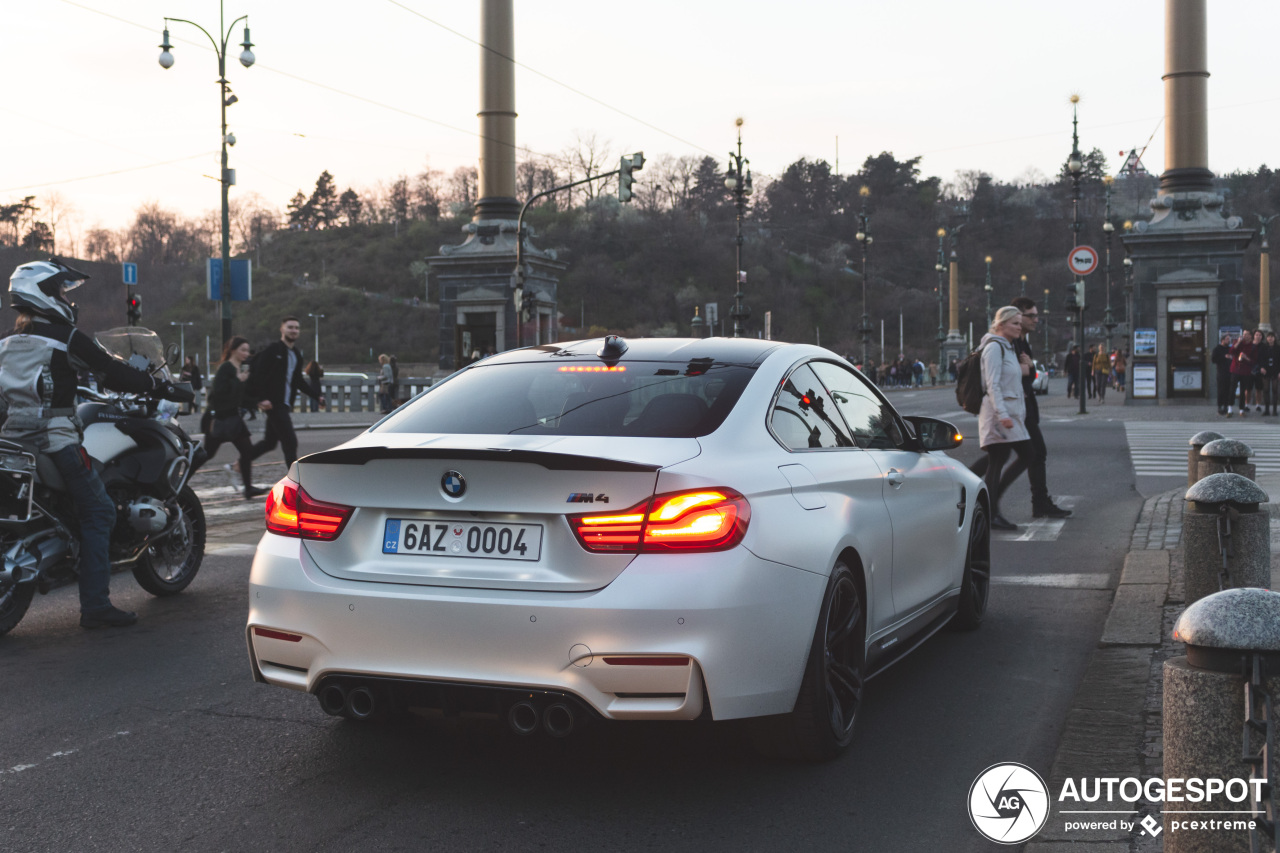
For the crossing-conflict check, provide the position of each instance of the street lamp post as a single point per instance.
(1044, 315)
(316, 352)
(864, 239)
(941, 267)
(1108, 322)
(1264, 275)
(182, 338)
(738, 182)
(1075, 166)
(988, 288)
(228, 175)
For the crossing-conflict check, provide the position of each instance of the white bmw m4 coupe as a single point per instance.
(656, 529)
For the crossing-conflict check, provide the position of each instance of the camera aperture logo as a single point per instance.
(1008, 803)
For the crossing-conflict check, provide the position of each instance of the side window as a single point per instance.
(804, 416)
(870, 420)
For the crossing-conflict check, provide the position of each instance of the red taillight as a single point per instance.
(292, 512)
(695, 520)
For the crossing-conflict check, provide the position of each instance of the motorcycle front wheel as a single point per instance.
(15, 598)
(169, 566)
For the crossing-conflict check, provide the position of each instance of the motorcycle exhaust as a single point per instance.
(360, 704)
(559, 720)
(522, 717)
(333, 699)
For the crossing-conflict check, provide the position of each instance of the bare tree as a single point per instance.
(103, 244)
(463, 187)
(588, 156)
(58, 211)
(535, 175)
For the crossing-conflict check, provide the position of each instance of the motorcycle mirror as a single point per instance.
(171, 353)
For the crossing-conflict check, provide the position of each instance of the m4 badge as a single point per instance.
(587, 498)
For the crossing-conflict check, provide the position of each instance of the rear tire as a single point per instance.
(169, 566)
(821, 725)
(15, 598)
(975, 583)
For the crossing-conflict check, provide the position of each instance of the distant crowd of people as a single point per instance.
(1248, 369)
(1103, 370)
(901, 373)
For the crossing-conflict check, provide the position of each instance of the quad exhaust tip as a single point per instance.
(360, 704)
(559, 720)
(523, 717)
(333, 699)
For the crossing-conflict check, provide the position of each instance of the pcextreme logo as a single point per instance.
(1008, 803)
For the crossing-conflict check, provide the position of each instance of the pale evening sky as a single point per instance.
(982, 84)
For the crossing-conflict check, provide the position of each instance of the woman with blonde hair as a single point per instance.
(1002, 421)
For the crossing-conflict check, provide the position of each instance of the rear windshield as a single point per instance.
(653, 399)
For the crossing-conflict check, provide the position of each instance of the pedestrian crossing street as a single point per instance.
(1159, 449)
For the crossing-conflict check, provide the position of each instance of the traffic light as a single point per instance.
(135, 309)
(634, 163)
(1079, 294)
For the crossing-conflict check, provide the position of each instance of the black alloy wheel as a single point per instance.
(15, 598)
(821, 725)
(975, 584)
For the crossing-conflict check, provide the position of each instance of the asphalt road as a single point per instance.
(155, 738)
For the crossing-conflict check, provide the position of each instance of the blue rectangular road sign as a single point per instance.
(241, 279)
(129, 272)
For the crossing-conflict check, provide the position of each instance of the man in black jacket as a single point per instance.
(1042, 505)
(275, 374)
(1268, 372)
(1221, 356)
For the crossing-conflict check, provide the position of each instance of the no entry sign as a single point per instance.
(1083, 260)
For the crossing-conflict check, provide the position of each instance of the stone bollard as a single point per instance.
(1226, 456)
(1226, 510)
(1198, 441)
(1233, 638)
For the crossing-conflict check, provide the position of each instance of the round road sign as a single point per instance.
(1083, 260)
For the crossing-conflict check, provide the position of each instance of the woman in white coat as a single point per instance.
(1001, 422)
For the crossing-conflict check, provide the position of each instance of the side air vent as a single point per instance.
(961, 506)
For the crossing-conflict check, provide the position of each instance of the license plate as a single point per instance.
(463, 539)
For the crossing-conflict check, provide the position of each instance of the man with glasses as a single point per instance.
(1042, 505)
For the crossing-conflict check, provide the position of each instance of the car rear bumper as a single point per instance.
(744, 623)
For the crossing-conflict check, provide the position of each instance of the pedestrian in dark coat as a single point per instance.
(1221, 357)
(1243, 359)
(276, 375)
(1269, 373)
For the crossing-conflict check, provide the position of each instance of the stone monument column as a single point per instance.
(497, 191)
(474, 278)
(1188, 258)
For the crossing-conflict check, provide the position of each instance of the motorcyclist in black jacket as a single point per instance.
(39, 361)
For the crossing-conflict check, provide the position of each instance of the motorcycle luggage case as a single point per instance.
(17, 483)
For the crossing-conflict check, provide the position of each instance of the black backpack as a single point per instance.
(969, 388)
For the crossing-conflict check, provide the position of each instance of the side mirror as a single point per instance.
(934, 434)
(171, 353)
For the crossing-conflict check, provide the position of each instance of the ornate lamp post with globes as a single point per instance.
(1075, 166)
(738, 182)
(228, 176)
(988, 288)
(941, 267)
(864, 238)
(1108, 321)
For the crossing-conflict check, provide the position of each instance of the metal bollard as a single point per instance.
(1198, 441)
(1226, 539)
(1218, 717)
(1226, 456)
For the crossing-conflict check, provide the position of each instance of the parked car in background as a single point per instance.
(656, 529)
(1041, 383)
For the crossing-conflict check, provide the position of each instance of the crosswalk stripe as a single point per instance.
(1038, 529)
(1160, 449)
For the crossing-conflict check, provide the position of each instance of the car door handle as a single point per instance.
(895, 477)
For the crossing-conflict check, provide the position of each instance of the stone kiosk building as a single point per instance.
(474, 283)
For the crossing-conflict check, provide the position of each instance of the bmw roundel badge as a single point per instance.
(452, 484)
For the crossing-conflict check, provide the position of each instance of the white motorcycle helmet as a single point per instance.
(39, 287)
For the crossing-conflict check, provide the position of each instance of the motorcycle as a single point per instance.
(145, 460)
